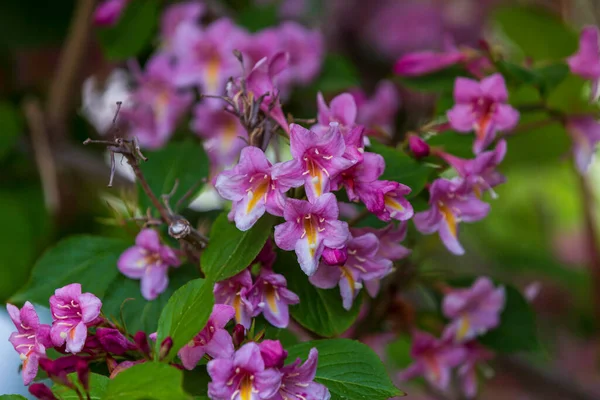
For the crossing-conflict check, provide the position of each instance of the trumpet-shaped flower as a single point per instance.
(235, 292)
(271, 296)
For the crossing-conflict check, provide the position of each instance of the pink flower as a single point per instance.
(30, 340)
(467, 372)
(109, 11)
(316, 160)
(252, 189)
(358, 179)
(177, 14)
(426, 61)
(481, 106)
(272, 353)
(586, 62)
(378, 112)
(242, 377)
(585, 133)
(389, 240)
(72, 312)
(113, 341)
(148, 261)
(451, 202)
(341, 110)
(271, 296)
(387, 200)
(309, 227)
(235, 292)
(297, 381)
(362, 264)
(212, 339)
(475, 310)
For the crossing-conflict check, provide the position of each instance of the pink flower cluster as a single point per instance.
(472, 312)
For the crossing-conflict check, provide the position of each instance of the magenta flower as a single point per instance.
(358, 179)
(271, 297)
(433, 359)
(272, 353)
(342, 110)
(306, 49)
(243, 377)
(177, 14)
(267, 256)
(467, 372)
(157, 104)
(475, 310)
(30, 340)
(585, 133)
(251, 188)
(148, 261)
(451, 202)
(123, 366)
(586, 62)
(112, 341)
(297, 381)
(224, 136)
(309, 227)
(108, 12)
(362, 264)
(418, 147)
(212, 339)
(235, 292)
(205, 56)
(480, 173)
(386, 199)
(425, 62)
(481, 106)
(41, 392)
(72, 312)
(316, 160)
(378, 112)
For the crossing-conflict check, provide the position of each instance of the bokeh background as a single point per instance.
(535, 237)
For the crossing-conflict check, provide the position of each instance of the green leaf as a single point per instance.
(572, 96)
(89, 260)
(517, 330)
(399, 352)
(149, 380)
(12, 397)
(550, 76)
(319, 310)
(337, 74)
(12, 127)
(525, 148)
(399, 167)
(516, 73)
(349, 369)
(454, 143)
(440, 81)
(98, 385)
(231, 250)
(185, 314)
(257, 17)
(140, 314)
(185, 161)
(133, 33)
(539, 34)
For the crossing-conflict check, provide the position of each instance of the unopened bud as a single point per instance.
(41, 392)
(141, 341)
(239, 334)
(165, 348)
(418, 146)
(335, 256)
(83, 374)
(272, 353)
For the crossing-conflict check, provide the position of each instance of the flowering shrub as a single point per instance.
(312, 251)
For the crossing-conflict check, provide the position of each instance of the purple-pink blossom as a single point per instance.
(585, 134)
(235, 292)
(378, 112)
(451, 202)
(482, 107)
(341, 110)
(297, 381)
(109, 12)
(213, 339)
(309, 227)
(30, 340)
(475, 354)
(177, 14)
(72, 313)
(586, 61)
(149, 261)
(271, 296)
(427, 61)
(358, 179)
(387, 200)
(252, 189)
(473, 311)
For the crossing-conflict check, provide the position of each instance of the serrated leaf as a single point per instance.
(98, 385)
(399, 167)
(185, 314)
(230, 250)
(150, 380)
(319, 310)
(88, 260)
(349, 369)
(185, 162)
(133, 32)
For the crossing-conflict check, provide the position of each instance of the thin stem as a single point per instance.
(189, 193)
(155, 202)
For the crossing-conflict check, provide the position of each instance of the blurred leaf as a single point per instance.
(399, 352)
(550, 76)
(516, 73)
(535, 146)
(89, 260)
(440, 81)
(539, 34)
(184, 161)
(98, 384)
(349, 369)
(545, 78)
(572, 96)
(12, 397)
(337, 74)
(12, 125)
(257, 17)
(149, 380)
(460, 145)
(140, 314)
(133, 32)
(319, 310)
(517, 330)
(185, 314)
(230, 250)
(400, 167)
(195, 382)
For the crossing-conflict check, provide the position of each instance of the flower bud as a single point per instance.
(418, 146)
(41, 392)
(141, 341)
(239, 334)
(83, 373)
(113, 341)
(335, 256)
(272, 353)
(165, 347)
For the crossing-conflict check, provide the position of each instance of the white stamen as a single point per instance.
(63, 335)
